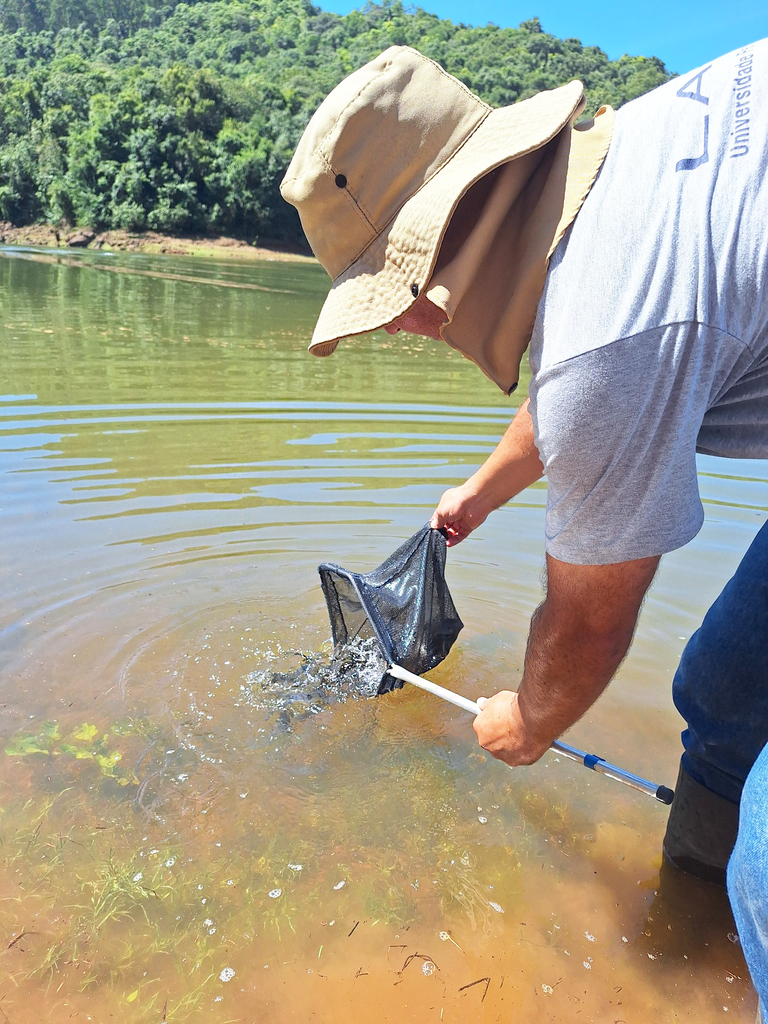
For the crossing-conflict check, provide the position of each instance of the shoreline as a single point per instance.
(149, 242)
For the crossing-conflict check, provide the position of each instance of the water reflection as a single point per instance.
(174, 467)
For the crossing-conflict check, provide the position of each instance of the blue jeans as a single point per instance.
(721, 685)
(748, 877)
(721, 690)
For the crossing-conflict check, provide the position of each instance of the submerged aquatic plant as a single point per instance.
(86, 743)
(44, 741)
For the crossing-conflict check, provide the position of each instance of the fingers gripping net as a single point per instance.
(405, 605)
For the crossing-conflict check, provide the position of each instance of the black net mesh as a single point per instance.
(404, 606)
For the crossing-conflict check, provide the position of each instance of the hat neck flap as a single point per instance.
(493, 263)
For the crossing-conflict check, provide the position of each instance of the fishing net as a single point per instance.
(404, 605)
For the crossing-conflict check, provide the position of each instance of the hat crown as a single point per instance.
(372, 143)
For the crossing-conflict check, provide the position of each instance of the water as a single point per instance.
(351, 672)
(198, 822)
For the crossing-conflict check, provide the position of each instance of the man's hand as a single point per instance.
(459, 512)
(502, 732)
(578, 638)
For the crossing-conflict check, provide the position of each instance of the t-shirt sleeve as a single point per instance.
(616, 428)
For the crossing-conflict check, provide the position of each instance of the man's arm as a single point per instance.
(578, 638)
(509, 469)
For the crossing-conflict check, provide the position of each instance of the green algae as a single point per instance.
(85, 743)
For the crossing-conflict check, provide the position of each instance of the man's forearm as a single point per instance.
(578, 638)
(512, 466)
(567, 667)
(509, 469)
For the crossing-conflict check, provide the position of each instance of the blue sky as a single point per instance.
(683, 35)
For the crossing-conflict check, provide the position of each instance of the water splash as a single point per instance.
(352, 672)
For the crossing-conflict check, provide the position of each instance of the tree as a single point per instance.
(183, 116)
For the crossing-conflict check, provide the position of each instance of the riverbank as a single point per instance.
(121, 240)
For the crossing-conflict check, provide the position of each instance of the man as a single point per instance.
(633, 257)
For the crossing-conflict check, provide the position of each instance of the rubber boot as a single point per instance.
(701, 830)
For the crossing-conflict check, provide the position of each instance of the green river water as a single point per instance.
(177, 842)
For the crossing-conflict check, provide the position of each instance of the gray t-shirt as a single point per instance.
(651, 340)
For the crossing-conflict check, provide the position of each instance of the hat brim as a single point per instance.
(379, 286)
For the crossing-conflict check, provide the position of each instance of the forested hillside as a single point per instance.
(183, 116)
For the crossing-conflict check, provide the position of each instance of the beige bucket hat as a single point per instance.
(383, 165)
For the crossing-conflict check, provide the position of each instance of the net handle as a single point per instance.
(597, 764)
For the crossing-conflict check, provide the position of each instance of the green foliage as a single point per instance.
(41, 742)
(182, 116)
(83, 744)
